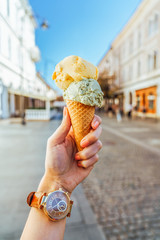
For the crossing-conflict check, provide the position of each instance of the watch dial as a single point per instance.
(57, 205)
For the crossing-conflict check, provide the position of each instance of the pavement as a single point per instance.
(124, 187)
(22, 154)
(82, 224)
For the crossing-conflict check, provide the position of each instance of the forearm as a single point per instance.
(38, 226)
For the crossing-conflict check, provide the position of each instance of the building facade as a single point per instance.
(19, 84)
(135, 59)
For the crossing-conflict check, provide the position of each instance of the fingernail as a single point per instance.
(84, 142)
(95, 124)
(79, 164)
(64, 112)
(77, 157)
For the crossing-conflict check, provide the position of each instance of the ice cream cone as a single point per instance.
(81, 116)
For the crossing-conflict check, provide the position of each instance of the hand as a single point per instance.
(63, 165)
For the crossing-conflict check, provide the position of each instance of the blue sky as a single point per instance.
(78, 27)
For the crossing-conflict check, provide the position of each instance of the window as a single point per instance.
(126, 73)
(150, 28)
(138, 102)
(155, 58)
(138, 68)
(130, 72)
(152, 61)
(9, 47)
(131, 45)
(8, 8)
(139, 38)
(156, 22)
(153, 25)
(150, 64)
(20, 57)
(123, 52)
(151, 98)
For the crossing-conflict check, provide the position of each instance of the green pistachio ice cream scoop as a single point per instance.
(86, 91)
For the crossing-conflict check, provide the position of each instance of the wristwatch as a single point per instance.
(56, 205)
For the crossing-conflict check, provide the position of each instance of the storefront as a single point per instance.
(4, 111)
(146, 100)
(19, 103)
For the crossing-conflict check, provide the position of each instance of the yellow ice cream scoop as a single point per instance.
(73, 69)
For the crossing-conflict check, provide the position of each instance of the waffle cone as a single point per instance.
(81, 116)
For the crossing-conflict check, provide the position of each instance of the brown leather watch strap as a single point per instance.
(34, 199)
(71, 204)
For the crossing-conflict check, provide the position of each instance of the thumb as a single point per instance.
(62, 131)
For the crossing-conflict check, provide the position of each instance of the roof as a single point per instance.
(43, 80)
(101, 60)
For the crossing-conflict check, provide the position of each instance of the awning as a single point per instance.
(30, 95)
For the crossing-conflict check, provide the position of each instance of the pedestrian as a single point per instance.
(65, 168)
(110, 111)
(118, 115)
(121, 111)
(23, 119)
(144, 110)
(129, 114)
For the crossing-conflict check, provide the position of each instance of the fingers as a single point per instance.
(88, 163)
(88, 156)
(96, 122)
(62, 131)
(91, 137)
(89, 151)
(94, 133)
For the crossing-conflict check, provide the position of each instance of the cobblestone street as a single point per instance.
(124, 187)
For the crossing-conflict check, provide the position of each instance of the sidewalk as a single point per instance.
(82, 224)
(22, 154)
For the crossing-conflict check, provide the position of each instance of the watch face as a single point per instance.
(57, 205)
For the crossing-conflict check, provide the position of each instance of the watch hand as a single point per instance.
(63, 207)
(58, 206)
(55, 205)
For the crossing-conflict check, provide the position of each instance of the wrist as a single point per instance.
(52, 198)
(49, 184)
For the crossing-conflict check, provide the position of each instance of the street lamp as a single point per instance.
(41, 21)
(44, 25)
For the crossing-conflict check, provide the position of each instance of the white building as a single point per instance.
(135, 59)
(19, 84)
